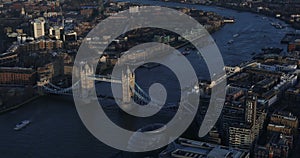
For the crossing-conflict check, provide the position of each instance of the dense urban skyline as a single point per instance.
(41, 40)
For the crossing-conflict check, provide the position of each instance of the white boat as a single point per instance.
(230, 42)
(186, 53)
(277, 25)
(229, 21)
(21, 125)
(236, 35)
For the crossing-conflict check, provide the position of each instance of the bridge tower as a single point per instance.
(127, 81)
(128, 85)
(87, 84)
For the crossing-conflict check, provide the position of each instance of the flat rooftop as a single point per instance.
(185, 148)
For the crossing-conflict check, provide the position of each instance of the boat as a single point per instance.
(230, 41)
(236, 35)
(229, 20)
(191, 47)
(21, 125)
(277, 25)
(186, 53)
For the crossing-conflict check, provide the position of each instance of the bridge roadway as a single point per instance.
(105, 79)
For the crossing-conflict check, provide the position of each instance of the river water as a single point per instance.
(56, 129)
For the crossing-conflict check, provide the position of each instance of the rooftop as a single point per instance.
(189, 149)
(286, 116)
(17, 70)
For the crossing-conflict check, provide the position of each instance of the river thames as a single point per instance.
(56, 129)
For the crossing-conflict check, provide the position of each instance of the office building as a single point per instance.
(241, 120)
(38, 28)
(56, 32)
(70, 36)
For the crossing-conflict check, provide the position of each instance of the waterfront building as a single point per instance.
(49, 70)
(277, 66)
(17, 76)
(8, 58)
(46, 72)
(262, 72)
(184, 148)
(40, 45)
(68, 69)
(294, 45)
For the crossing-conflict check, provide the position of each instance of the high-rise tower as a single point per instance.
(38, 27)
(250, 108)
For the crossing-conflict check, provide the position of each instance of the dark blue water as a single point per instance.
(255, 31)
(57, 131)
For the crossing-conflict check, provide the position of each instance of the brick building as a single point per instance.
(17, 75)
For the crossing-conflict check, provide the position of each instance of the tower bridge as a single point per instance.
(131, 91)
